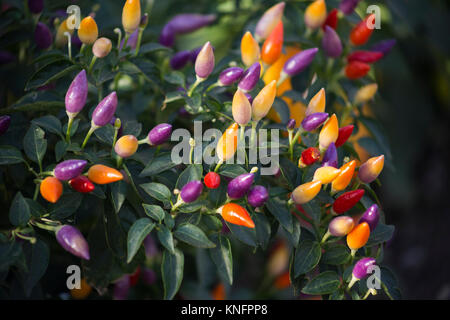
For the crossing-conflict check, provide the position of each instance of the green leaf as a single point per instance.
(40, 256)
(118, 194)
(132, 128)
(279, 210)
(191, 173)
(244, 234)
(173, 96)
(10, 253)
(381, 234)
(34, 144)
(105, 134)
(307, 256)
(231, 170)
(155, 212)
(66, 205)
(294, 236)
(51, 123)
(172, 268)
(176, 78)
(50, 73)
(390, 284)
(158, 164)
(19, 213)
(10, 155)
(192, 235)
(336, 255)
(166, 238)
(157, 190)
(325, 283)
(36, 209)
(137, 233)
(60, 150)
(152, 47)
(222, 257)
(262, 228)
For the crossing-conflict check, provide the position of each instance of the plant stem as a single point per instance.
(69, 127)
(125, 41)
(132, 181)
(138, 45)
(91, 130)
(198, 80)
(292, 142)
(91, 66)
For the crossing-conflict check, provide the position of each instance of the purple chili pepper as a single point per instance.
(148, 276)
(249, 97)
(183, 112)
(299, 62)
(159, 134)
(167, 36)
(180, 59)
(132, 40)
(239, 186)
(71, 239)
(313, 121)
(69, 169)
(36, 6)
(6, 57)
(250, 77)
(5, 121)
(77, 94)
(360, 270)
(291, 124)
(121, 288)
(191, 191)
(230, 75)
(204, 64)
(384, 46)
(189, 22)
(257, 196)
(330, 158)
(331, 43)
(76, 42)
(348, 6)
(43, 36)
(371, 216)
(150, 247)
(105, 110)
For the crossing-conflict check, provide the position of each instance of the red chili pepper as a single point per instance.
(135, 277)
(344, 134)
(82, 184)
(356, 69)
(347, 200)
(309, 156)
(332, 20)
(361, 33)
(212, 180)
(365, 56)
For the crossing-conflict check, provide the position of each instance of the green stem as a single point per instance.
(119, 161)
(218, 166)
(91, 130)
(138, 45)
(91, 66)
(196, 83)
(132, 182)
(69, 127)
(36, 192)
(292, 142)
(253, 134)
(43, 226)
(214, 85)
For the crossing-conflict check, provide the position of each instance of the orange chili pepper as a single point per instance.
(358, 237)
(88, 31)
(227, 145)
(271, 49)
(249, 49)
(83, 292)
(345, 176)
(101, 174)
(131, 15)
(51, 189)
(235, 214)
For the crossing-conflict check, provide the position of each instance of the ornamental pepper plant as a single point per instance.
(91, 130)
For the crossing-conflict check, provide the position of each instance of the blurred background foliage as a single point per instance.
(413, 105)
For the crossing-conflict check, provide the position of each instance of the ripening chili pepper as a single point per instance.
(361, 270)
(235, 214)
(347, 200)
(180, 59)
(356, 69)
(76, 94)
(60, 38)
(191, 191)
(69, 169)
(131, 15)
(315, 14)
(241, 108)
(339, 227)
(269, 21)
(190, 22)
(263, 101)
(332, 20)
(314, 120)
(132, 40)
(291, 124)
(102, 47)
(101, 174)
(134, 278)
(384, 46)
(51, 189)
(358, 237)
(36, 6)
(326, 174)
(71, 239)
(331, 43)
(88, 31)
(309, 156)
(371, 169)
(361, 33)
(83, 292)
(159, 134)
(250, 77)
(250, 52)
(204, 64)
(212, 180)
(306, 192)
(126, 146)
(278, 260)
(283, 281)
(219, 292)
(345, 177)
(317, 103)
(365, 56)
(273, 45)
(227, 144)
(366, 93)
(150, 248)
(330, 157)
(82, 184)
(348, 6)
(43, 36)
(344, 134)
(167, 36)
(329, 133)
(257, 196)
(105, 110)
(230, 75)
(371, 216)
(299, 62)
(5, 121)
(239, 186)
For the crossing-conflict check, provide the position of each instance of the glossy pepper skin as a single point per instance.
(241, 108)
(326, 174)
(250, 77)
(69, 169)
(316, 14)
(42, 36)
(358, 237)
(101, 174)
(300, 61)
(191, 191)
(330, 157)
(126, 146)
(263, 101)
(230, 75)
(314, 120)
(159, 134)
(329, 133)
(332, 19)
(360, 34)
(371, 169)
(273, 45)
(105, 110)
(268, 21)
(102, 47)
(331, 43)
(212, 180)
(343, 135)
(371, 216)
(306, 192)
(291, 124)
(345, 177)
(366, 93)
(71, 239)
(257, 196)
(365, 56)
(309, 156)
(227, 144)
(204, 64)
(360, 270)
(250, 52)
(76, 95)
(131, 15)
(51, 189)
(341, 226)
(235, 214)
(239, 186)
(317, 103)
(5, 121)
(82, 184)
(356, 69)
(347, 200)
(88, 31)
